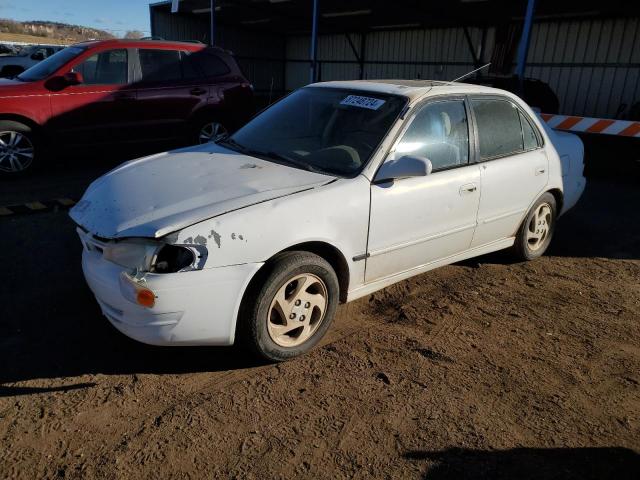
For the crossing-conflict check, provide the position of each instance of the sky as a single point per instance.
(115, 16)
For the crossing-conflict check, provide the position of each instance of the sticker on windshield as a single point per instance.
(363, 102)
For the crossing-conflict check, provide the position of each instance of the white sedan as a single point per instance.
(336, 191)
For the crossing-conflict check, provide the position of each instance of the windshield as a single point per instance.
(332, 131)
(46, 67)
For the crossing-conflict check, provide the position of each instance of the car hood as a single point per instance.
(163, 193)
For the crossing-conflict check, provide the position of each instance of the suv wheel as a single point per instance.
(210, 132)
(18, 147)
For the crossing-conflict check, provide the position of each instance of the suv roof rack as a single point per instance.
(153, 37)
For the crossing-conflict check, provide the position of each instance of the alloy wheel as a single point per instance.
(211, 132)
(297, 310)
(539, 227)
(16, 152)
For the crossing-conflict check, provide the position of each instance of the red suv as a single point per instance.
(120, 91)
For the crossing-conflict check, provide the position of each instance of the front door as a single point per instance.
(514, 167)
(416, 221)
(99, 109)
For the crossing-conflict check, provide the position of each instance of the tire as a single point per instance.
(19, 150)
(535, 233)
(207, 130)
(279, 293)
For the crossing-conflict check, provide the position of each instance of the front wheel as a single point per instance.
(291, 306)
(17, 148)
(535, 233)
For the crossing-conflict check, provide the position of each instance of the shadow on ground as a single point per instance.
(530, 464)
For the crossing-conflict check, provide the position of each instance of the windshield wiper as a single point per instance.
(292, 162)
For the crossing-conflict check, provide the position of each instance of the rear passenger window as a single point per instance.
(440, 133)
(528, 134)
(160, 65)
(105, 68)
(209, 63)
(499, 128)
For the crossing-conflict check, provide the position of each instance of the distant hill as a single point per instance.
(49, 31)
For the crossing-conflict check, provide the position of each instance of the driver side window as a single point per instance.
(104, 68)
(439, 132)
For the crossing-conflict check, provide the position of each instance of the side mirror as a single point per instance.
(404, 167)
(73, 78)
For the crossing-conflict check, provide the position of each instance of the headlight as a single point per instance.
(133, 253)
(154, 256)
(173, 258)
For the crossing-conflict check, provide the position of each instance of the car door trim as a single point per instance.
(417, 241)
(495, 218)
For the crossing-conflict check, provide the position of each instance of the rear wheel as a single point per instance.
(535, 233)
(210, 131)
(18, 148)
(291, 307)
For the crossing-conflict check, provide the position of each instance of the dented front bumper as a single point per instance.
(198, 307)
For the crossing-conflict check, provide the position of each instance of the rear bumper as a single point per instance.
(572, 191)
(192, 308)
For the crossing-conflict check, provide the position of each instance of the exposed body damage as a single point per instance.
(172, 241)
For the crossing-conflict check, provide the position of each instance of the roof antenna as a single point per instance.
(468, 74)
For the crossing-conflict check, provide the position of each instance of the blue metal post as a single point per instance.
(523, 49)
(314, 42)
(213, 23)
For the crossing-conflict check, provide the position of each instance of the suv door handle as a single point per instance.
(468, 188)
(198, 91)
(540, 170)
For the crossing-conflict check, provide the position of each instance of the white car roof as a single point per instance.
(413, 89)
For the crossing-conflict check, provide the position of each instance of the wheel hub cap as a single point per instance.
(16, 152)
(539, 227)
(297, 310)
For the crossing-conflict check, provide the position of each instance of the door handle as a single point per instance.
(468, 188)
(198, 91)
(540, 170)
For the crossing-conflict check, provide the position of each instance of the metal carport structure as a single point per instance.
(588, 51)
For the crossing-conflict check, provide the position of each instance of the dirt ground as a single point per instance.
(485, 369)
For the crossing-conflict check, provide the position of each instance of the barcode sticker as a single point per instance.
(363, 102)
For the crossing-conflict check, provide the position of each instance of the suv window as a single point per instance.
(104, 68)
(500, 130)
(209, 63)
(440, 133)
(160, 65)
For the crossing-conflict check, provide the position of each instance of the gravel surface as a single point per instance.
(484, 369)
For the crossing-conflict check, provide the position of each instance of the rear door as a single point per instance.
(99, 109)
(514, 167)
(169, 90)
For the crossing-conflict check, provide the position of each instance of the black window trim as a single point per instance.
(536, 130)
(414, 110)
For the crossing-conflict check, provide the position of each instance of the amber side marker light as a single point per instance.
(145, 297)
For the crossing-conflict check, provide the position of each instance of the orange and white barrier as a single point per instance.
(606, 126)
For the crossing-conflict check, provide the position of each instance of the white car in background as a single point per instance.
(338, 190)
(12, 65)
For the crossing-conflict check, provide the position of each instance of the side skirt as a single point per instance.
(379, 284)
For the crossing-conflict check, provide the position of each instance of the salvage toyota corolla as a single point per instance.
(336, 191)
